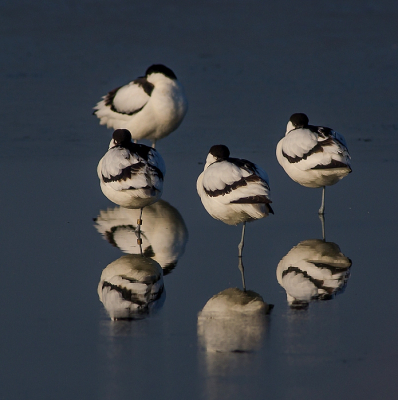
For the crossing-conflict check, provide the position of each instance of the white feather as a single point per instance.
(218, 176)
(155, 116)
(144, 186)
(301, 153)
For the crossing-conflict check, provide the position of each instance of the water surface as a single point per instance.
(246, 68)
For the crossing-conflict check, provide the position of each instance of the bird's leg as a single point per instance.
(240, 247)
(242, 240)
(322, 209)
(138, 231)
(322, 218)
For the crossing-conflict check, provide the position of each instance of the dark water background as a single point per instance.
(246, 67)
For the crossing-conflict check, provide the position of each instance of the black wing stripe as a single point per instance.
(110, 96)
(253, 200)
(237, 184)
(318, 148)
(331, 165)
(296, 159)
(114, 109)
(131, 170)
(142, 82)
(146, 86)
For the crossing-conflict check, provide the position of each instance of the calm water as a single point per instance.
(246, 68)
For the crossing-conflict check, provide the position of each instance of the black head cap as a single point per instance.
(121, 137)
(160, 69)
(299, 120)
(219, 151)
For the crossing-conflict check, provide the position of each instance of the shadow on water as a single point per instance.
(314, 269)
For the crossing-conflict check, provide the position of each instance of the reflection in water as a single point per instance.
(231, 328)
(233, 321)
(163, 232)
(313, 270)
(131, 287)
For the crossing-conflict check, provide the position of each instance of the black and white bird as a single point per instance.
(233, 190)
(150, 107)
(313, 156)
(131, 175)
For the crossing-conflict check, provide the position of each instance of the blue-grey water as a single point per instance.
(246, 67)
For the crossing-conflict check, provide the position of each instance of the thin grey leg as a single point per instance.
(154, 143)
(322, 209)
(242, 240)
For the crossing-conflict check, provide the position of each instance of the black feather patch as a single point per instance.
(142, 82)
(253, 200)
(146, 86)
(229, 188)
(333, 164)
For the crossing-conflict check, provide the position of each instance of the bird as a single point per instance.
(233, 191)
(150, 107)
(313, 156)
(131, 175)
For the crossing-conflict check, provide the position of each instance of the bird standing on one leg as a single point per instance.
(150, 107)
(234, 190)
(313, 156)
(131, 175)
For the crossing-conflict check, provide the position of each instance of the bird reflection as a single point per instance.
(163, 232)
(233, 321)
(313, 270)
(131, 287)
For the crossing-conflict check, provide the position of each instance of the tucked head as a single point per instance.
(121, 137)
(160, 69)
(217, 152)
(297, 121)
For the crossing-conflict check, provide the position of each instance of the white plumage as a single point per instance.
(313, 156)
(233, 190)
(150, 107)
(131, 175)
(314, 269)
